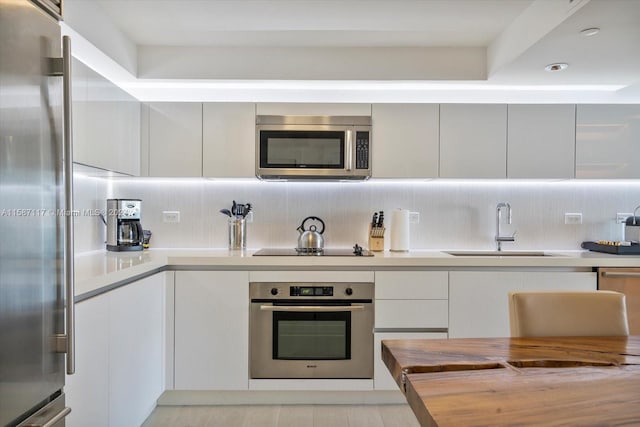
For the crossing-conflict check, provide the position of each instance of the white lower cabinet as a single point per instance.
(136, 361)
(120, 340)
(382, 378)
(478, 300)
(409, 305)
(87, 391)
(212, 330)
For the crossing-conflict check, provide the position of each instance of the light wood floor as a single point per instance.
(283, 416)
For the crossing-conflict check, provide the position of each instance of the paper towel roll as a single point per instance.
(400, 230)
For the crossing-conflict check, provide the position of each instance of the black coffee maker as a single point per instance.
(124, 230)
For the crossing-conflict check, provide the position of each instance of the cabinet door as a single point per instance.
(175, 139)
(128, 138)
(87, 390)
(212, 330)
(382, 379)
(136, 350)
(312, 109)
(79, 97)
(408, 300)
(541, 141)
(473, 141)
(228, 144)
(120, 356)
(478, 300)
(412, 285)
(106, 126)
(607, 141)
(405, 140)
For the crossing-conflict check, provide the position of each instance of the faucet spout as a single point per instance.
(499, 238)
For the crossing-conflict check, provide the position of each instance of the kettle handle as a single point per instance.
(315, 218)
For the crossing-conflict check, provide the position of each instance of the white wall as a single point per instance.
(89, 19)
(89, 196)
(454, 214)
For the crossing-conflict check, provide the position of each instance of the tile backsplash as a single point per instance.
(453, 214)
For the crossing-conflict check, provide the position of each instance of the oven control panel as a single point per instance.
(311, 291)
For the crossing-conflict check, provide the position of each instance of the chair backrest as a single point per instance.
(560, 313)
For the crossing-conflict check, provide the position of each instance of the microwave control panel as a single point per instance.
(362, 150)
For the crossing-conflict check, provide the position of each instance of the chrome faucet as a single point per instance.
(499, 238)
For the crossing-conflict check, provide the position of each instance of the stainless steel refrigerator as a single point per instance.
(36, 231)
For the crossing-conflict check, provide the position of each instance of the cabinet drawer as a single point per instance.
(411, 314)
(412, 285)
(311, 276)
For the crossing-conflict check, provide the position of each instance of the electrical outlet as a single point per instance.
(573, 218)
(414, 217)
(170, 216)
(621, 218)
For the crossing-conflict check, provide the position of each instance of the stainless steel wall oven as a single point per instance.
(311, 330)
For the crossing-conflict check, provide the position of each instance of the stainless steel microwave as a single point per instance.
(313, 147)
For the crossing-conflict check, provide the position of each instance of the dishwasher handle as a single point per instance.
(621, 274)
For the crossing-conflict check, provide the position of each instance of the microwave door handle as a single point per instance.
(309, 308)
(349, 148)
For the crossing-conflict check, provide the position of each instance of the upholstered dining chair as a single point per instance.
(567, 313)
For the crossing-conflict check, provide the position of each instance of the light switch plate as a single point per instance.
(414, 217)
(573, 218)
(170, 216)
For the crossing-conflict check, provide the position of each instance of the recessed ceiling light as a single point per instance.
(557, 66)
(588, 32)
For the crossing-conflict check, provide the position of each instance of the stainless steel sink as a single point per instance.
(499, 253)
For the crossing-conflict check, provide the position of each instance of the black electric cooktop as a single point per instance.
(325, 252)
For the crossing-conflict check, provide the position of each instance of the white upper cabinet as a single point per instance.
(228, 144)
(106, 128)
(175, 139)
(312, 109)
(541, 141)
(608, 141)
(473, 141)
(405, 140)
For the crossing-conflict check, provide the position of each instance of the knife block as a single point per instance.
(376, 239)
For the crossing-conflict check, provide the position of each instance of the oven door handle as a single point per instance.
(308, 308)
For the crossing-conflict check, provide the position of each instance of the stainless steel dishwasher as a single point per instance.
(626, 281)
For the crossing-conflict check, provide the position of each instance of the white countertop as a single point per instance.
(100, 269)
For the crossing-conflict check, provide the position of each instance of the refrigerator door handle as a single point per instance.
(53, 421)
(68, 190)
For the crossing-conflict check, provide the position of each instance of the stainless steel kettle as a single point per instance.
(311, 240)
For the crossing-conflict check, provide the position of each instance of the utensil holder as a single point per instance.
(376, 238)
(237, 233)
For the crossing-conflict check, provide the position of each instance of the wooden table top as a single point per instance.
(519, 381)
